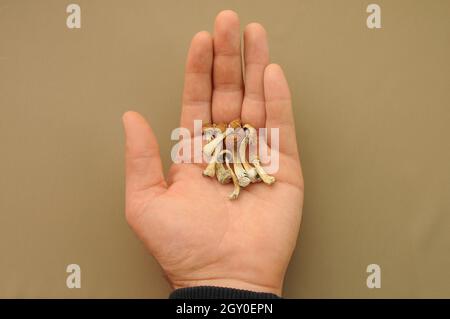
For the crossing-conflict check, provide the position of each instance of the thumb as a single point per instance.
(143, 162)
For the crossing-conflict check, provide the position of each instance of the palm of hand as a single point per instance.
(196, 233)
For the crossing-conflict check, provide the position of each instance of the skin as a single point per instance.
(198, 236)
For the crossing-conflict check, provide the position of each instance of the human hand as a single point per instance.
(198, 236)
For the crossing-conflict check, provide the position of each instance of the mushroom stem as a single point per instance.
(241, 174)
(209, 148)
(223, 175)
(252, 138)
(236, 188)
(268, 179)
(208, 132)
(251, 171)
(210, 170)
(220, 134)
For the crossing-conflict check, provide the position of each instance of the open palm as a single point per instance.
(199, 236)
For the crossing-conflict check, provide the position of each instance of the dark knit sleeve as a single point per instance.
(210, 292)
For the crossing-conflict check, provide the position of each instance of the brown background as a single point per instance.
(372, 110)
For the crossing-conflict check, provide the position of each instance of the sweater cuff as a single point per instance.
(211, 292)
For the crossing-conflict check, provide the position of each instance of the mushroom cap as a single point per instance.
(235, 123)
(221, 126)
(207, 126)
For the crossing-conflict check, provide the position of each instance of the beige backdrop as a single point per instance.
(372, 109)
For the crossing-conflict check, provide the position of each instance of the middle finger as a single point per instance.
(227, 70)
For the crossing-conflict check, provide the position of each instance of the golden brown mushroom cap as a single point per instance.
(221, 126)
(235, 123)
